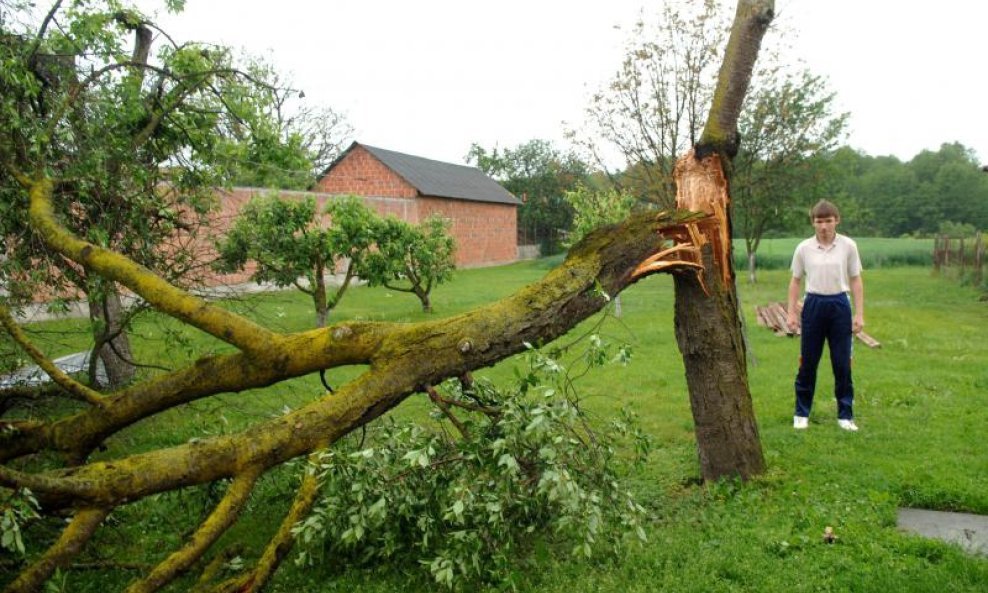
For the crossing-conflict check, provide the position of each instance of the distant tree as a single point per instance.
(290, 245)
(789, 120)
(654, 108)
(889, 197)
(538, 174)
(950, 186)
(410, 258)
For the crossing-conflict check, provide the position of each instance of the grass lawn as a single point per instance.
(921, 404)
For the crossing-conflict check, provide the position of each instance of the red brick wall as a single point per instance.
(485, 232)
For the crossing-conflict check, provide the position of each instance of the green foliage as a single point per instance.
(410, 258)
(595, 208)
(538, 174)
(16, 509)
(891, 198)
(958, 230)
(289, 145)
(525, 464)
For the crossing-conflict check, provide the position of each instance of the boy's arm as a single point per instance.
(857, 294)
(791, 318)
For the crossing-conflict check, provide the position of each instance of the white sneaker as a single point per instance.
(801, 422)
(847, 425)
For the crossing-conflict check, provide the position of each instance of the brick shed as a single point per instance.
(483, 214)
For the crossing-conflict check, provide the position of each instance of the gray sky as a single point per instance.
(429, 77)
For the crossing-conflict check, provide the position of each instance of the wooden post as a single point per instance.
(960, 255)
(979, 259)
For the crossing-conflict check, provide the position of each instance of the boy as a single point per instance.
(832, 267)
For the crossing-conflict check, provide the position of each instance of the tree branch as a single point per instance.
(70, 385)
(222, 518)
(69, 544)
(405, 357)
(279, 545)
(224, 325)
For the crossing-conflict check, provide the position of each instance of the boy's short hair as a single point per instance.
(824, 209)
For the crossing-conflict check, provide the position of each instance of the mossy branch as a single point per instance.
(70, 385)
(403, 357)
(278, 547)
(160, 294)
(69, 544)
(222, 518)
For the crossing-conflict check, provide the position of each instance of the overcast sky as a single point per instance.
(429, 77)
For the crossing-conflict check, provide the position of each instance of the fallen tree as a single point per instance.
(401, 359)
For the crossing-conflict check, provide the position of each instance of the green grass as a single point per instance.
(921, 404)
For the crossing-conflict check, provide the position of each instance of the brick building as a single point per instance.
(483, 214)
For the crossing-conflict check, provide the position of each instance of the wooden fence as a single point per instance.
(966, 255)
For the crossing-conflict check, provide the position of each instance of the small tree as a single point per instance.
(789, 121)
(288, 242)
(411, 258)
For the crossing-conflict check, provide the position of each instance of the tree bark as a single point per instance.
(112, 343)
(708, 331)
(319, 297)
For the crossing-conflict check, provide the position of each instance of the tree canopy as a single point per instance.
(291, 243)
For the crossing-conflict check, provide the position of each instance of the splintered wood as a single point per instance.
(700, 187)
(774, 317)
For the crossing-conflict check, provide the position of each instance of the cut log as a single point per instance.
(868, 340)
(774, 317)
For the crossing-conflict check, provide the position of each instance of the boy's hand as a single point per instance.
(857, 324)
(792, 321)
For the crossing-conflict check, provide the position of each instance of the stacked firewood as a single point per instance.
(774, 317)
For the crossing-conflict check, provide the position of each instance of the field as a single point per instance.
(921, 404)
(774, 254)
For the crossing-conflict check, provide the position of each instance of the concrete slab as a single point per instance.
(964, 529)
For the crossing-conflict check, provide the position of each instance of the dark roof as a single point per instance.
(439, 179)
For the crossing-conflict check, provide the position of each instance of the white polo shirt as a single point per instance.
(828, 269)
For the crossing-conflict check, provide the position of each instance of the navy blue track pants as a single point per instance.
(826, 318)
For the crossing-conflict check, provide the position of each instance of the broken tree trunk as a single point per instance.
(708, 322)
(708, 331)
